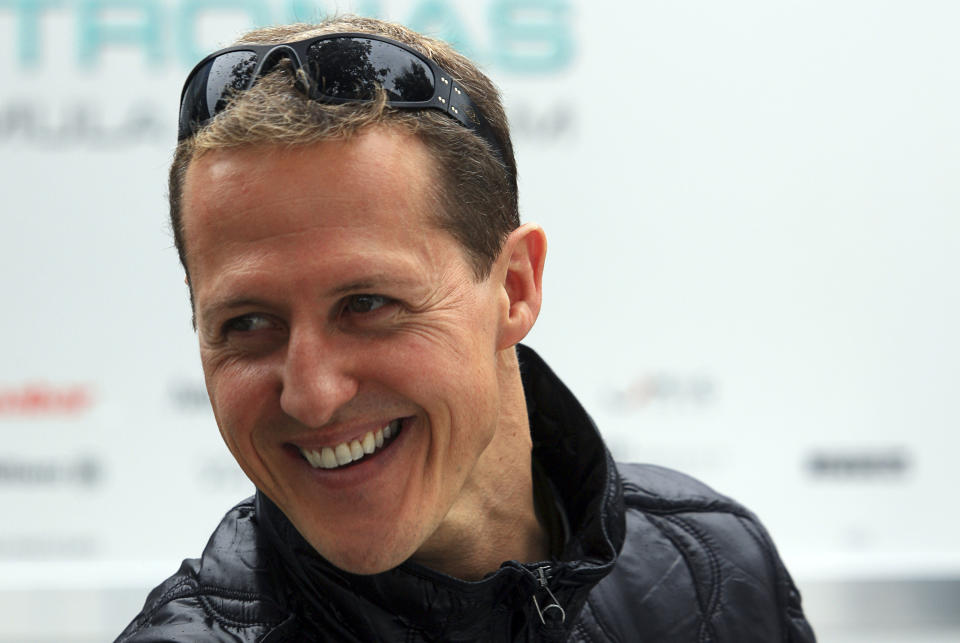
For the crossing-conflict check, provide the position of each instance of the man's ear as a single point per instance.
(520, 266)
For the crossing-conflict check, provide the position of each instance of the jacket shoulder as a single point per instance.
(229, 593)
(695, 565)
(656, 487)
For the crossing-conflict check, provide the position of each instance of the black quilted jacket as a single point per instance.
(651, 556)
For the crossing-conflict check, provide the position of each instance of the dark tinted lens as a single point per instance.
(211, 87)
(229, 73)
(353, 68)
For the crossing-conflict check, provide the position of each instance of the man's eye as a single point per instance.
(247, 324)
(360, 304)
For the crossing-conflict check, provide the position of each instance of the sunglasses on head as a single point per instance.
(339, 68)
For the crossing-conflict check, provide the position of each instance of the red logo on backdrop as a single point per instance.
(44, 399)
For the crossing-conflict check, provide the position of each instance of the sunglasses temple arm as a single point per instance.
(461, 107)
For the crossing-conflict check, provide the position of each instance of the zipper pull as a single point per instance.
(554, 604)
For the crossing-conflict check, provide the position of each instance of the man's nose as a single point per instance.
(317, 378)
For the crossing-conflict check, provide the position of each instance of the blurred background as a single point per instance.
(753, 216)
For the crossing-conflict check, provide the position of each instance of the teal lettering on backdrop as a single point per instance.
(313, 11)
(191, 10)
(527, 36)
(305, 11)
(96, 32)
(531, 35)
(29, 40)
(439, 19)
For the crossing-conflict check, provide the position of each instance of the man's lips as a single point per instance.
(350, 451)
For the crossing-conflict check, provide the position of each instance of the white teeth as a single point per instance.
(347, 452)
(328, 459)
(343, 454)
(356, 451)
(313, 457)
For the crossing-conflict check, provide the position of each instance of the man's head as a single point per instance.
(356, 336)
(475, 188)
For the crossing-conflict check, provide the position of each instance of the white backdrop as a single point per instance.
(752, 214)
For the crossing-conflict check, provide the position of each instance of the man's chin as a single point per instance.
(370, 549)
(364, 561)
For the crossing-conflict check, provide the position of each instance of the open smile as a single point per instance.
(345, 453)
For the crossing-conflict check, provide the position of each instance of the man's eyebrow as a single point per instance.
(365, 284)
(228, 303)
(372, 283)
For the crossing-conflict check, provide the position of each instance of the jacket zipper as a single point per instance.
(553, 604)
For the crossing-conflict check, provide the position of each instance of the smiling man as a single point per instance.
(344, 203)
(358, 370)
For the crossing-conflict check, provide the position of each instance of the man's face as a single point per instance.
(331, 313)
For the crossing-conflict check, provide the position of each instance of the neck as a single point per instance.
(493, 519)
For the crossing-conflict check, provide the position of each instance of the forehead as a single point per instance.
(260, 188)
(332, 213)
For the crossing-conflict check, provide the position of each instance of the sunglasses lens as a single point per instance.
(212, 86)
(353, 68)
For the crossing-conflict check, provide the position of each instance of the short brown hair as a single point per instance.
(477, 195)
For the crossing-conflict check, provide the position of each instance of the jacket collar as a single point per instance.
(413, 598)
